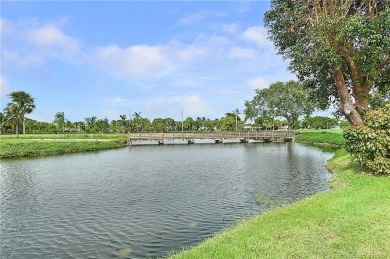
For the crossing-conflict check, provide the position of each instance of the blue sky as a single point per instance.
(103, 59)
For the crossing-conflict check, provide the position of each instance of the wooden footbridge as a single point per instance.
(214, 136)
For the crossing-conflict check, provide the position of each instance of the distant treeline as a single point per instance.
(93, 125)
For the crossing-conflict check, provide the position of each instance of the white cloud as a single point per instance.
(50, 35)
(200, 16)
(242, 53)
(6, 27)
(133, 61)
(258, 35)
(230, 28)
(22, 60)
(258, 83)
(28, 42)
(148, 62)
(185, 53)
(192, 18)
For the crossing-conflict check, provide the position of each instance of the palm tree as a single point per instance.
(236, 112)
(59, 120)
(91, 121)
(137, 115)
(12, 111)
(137, 119)
(123, 121)
(23, 103)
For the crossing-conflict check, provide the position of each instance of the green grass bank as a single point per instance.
(324, 137)
(352, 220)
(44, 145)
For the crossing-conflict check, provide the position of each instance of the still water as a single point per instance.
(145, 201)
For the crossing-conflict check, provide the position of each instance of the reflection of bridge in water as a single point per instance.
(216, 136)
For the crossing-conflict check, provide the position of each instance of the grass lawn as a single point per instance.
(350, 221)
(331, 137)
(339, 130)
(12, 146)
(4, 138)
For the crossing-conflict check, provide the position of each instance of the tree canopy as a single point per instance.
(289, 100)
(341, 49)
(21, 103)
(59, 120)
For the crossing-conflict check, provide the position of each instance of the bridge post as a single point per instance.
(243, 140)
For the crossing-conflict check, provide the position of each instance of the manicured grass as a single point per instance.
(331, 137)
(62, 136)
(351, 220)
(338, 130)
(42, 145)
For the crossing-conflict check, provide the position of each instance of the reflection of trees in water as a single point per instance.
(303, 171)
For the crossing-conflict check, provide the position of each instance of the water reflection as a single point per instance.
(145, 201)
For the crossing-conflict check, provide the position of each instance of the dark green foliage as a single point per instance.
(344, 124)
(320, 122)
(370, 144)
(339, 49)
(288, 100)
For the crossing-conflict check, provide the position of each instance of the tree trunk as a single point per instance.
(17, 127)
(346, 106)
(24, 125)
(361, 97)
(361, 86)
(5, 122)
(289, 122)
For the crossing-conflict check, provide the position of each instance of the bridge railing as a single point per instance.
(211, 135)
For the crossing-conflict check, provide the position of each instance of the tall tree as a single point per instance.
(227, 122)
(189, 124)
(137, 119)
(12, 113)
(339, 48)
(236, 113)
(137, 115)
(91, 124)
(21, 103)
(123, 122)
(288, 100)
(59, 120)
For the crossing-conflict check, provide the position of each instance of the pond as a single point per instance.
(145, 201)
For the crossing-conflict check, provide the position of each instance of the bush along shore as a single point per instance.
(351, 220)
(12, 148)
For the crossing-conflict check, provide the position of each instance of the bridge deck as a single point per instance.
(243, 136)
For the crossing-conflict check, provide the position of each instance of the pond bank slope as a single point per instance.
(351, 220)
(44, 145)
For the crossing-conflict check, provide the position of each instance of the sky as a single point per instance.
(159, 58)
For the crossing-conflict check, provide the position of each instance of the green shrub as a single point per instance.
(370, 144)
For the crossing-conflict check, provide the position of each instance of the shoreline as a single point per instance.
(351, 220)
(321, 144)
(49, 147)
